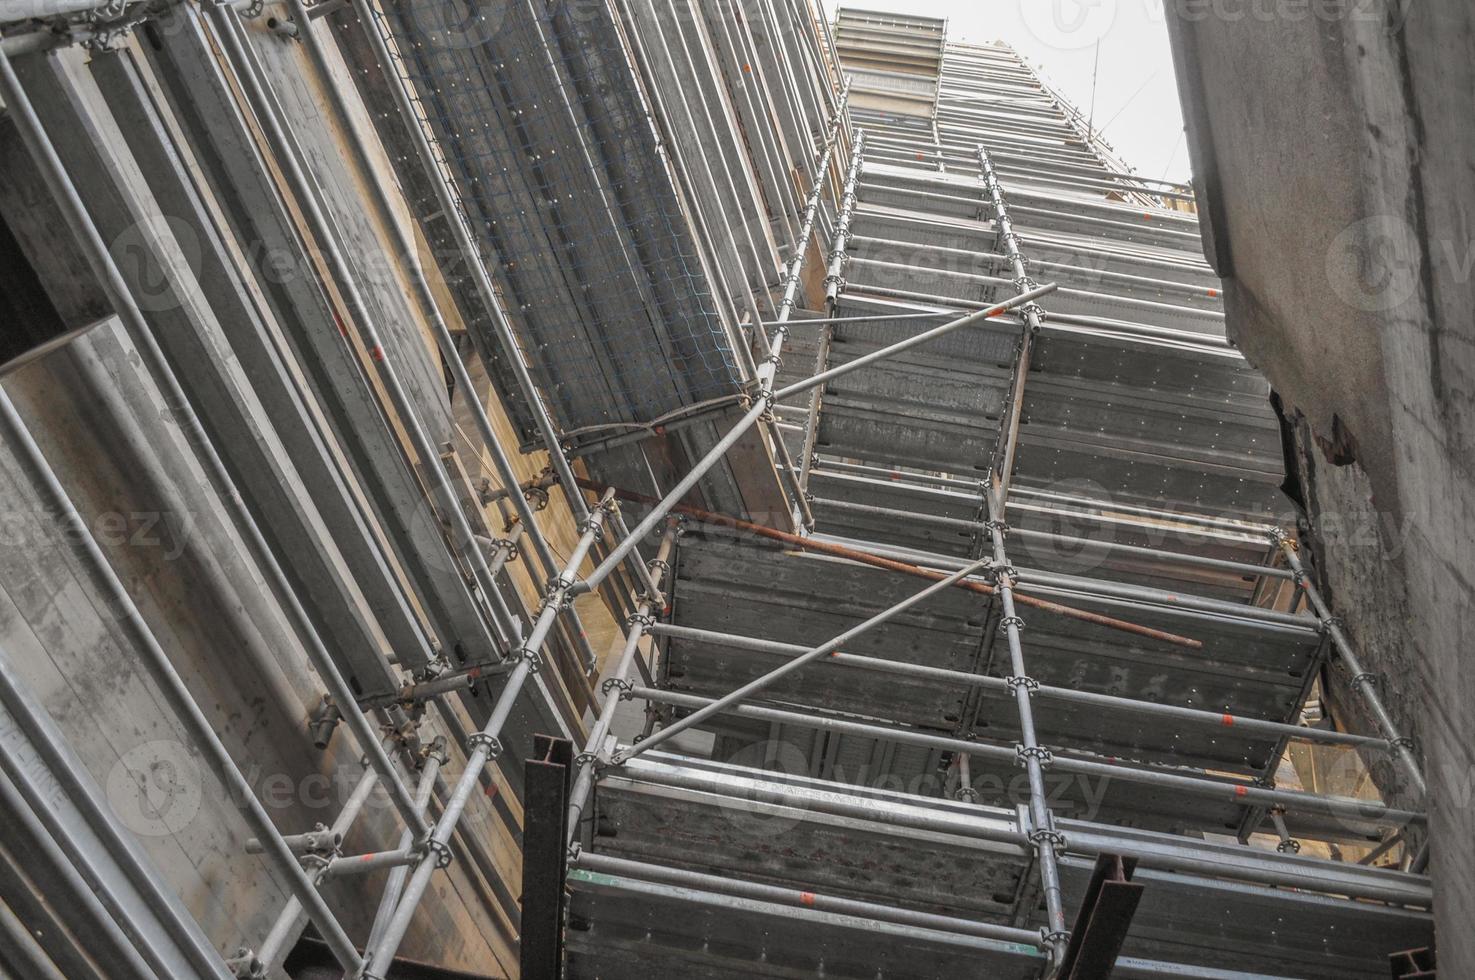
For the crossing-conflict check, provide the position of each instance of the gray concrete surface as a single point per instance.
(1333, 152)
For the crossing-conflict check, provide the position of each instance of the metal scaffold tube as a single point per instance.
(1043, 836)
(456, 221)
(763, 404)
(1187, 782)
(1085, 544)
(434, 759)
(1151, 709)
(834, 284)
(618, 686)
(450, 354)
(1003, 462)
(793, 278)
(799, 898)
(767, 680)
(115, 287)
(284, 930)
(262, 100)
(435, 847)
(1234, 862)
(1361, 679)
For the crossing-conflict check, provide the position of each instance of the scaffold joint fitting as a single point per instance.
(440, 849)
(1028, 683)
(1038, 753)
(492, 744)
(1053, 838)
(625, 688)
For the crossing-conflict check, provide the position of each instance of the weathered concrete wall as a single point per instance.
(1334, 159)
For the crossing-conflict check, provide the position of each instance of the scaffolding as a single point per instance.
(863, 442)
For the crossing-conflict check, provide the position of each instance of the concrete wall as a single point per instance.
(1333, 157)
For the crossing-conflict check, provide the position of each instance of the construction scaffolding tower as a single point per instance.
(969, 642)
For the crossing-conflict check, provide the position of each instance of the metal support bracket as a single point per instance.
(1101, 924)
(549, 773)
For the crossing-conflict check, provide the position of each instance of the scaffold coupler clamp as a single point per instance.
(1007, 621)
(434, 749)
(993, 523)
(559, 589)
(1056, 942)
(621, 684)
(1365, 677)
(533, 658)
(1041, 837)
(1332, 622)
(644, 620)
(1030, 685)
(768, 401)
(441, 850)
(492, 744)
(592, 527)
(244, 965)
(1042, 755)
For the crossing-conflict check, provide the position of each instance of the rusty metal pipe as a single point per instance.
(905, 568)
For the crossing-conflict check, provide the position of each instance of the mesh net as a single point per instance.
(539, 124)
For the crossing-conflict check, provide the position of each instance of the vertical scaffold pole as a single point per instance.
(618, 686)
(834, 285)
(793, 278)
(1034, 315)
(1043, 837)
(435, 848)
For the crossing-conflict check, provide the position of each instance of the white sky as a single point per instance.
(1136, 98)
